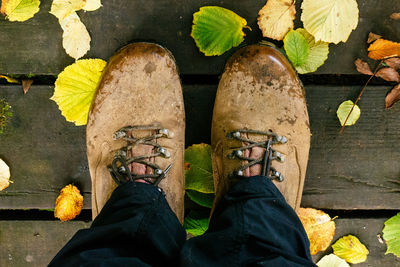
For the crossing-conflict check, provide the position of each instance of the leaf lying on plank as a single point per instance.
(393, 97)
(62, 9)
(332, 260)
(198, 169)
(216, 30)
(381, 49)
(19, 10)
(344, 110)
(373, 37)
(4, 175)
(69, 203)
(363, 67)
(9, 79)
(388, 74)
(75, 88)
(330, 20)
(319, 227)
(296, 48)
(92, 5)
(350, 249)
(393, 62)
(391, 234)
(276, 18)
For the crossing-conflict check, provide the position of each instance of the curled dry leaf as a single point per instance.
(319, 227)
(4, 175)
(393, 96)
(395, 16)
(69, 203)
(276, 18)
(373, 37)
(388, 74)
(393, 62)
(363, 67)
(26, 85)
(381, 49)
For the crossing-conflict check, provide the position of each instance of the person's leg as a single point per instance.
(135, 132)
(260, 132)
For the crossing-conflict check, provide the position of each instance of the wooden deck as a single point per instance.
(356, 173)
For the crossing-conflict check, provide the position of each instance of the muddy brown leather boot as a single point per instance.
(136, 125)
(260, 102)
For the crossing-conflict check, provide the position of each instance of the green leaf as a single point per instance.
(296, 48)
(332, 260)
(196, 223)
(198, 169)
(391, 234)
(318, 53)
(19, 10)
(350, 249)
(344, 110)
(205, 200)
(216, 30)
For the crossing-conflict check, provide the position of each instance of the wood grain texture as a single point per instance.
(35, 46)
(357, 170)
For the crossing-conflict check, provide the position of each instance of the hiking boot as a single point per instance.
(136, 126)
(260, 123)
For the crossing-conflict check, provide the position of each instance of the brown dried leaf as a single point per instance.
(69, 203)
(388, 74)
(393, 96)
(373, 37)
(26, 85)
(393, 62)
(395, 16)
(381, 49)
(363, 67)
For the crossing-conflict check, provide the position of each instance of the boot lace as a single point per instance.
(270, 153)
(119, 169)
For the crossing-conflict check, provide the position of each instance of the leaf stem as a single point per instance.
(359, 96)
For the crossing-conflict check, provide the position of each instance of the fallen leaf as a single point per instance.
(318, 53)
(393, 62)
(92, 5)
(332, 260)
(202, 199)
(62, 9)
(4, 175)
(9, 79)
(69, 203)
(19, 10)
(395, 16)
(199, 177)
(75, 88)
(5, 114)
(330, 20)
(373, 37)
(296, 48)
(196, 222)
(388, 74)
(26, 85)
(381, 49)
(363, 67)
(393, 96)
(344, 110)
(276, 18)
(350, 249)
(216, 30)
(76, 38)
(319, 227)
(391, 234)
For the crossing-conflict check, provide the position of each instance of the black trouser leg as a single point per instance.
(136, 227)
(252, 226)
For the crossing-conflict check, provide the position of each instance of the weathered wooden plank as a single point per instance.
(34, 243)
(37, 242)
(356, 170)
(35, 46)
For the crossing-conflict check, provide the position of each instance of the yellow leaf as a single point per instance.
(330, 20)
(76, 38)
(350, 249)
(319, 227)
(4, 175)
(92, 5)
(19, 10)
(381, 49)
(69, 203)
(332, 260)
(276, 18)
(75, 88)
(9, 79)
(64, 8)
